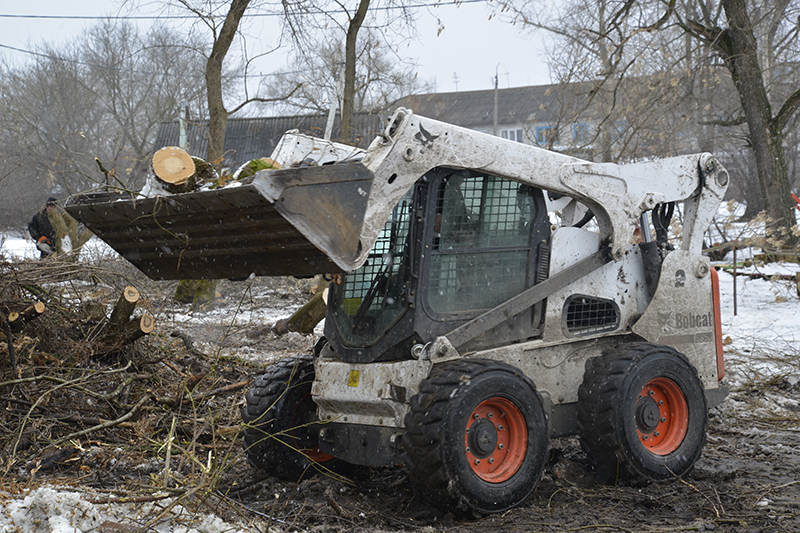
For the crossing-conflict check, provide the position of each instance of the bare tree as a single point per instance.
(381, 77)
(140, 81)
(696, 48)
(101, 97)
(314, 15)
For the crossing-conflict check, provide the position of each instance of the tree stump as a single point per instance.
(124, 307)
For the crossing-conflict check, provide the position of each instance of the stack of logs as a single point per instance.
(17, 320)
(178, 172)
(118, 330)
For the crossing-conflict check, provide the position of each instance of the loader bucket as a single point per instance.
(297, 221)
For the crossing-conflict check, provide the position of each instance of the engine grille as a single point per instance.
(587, 315)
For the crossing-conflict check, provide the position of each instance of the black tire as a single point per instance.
(279, 434)
(635, 436)
(458, 451)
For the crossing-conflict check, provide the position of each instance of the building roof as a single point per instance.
(517, 105)
(252, 138)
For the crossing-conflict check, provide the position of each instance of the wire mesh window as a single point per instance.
(482, 242)
(373, 296)
(587, 315)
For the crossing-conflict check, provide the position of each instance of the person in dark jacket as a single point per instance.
(42, 231)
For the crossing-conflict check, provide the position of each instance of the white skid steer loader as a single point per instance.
(465, 326)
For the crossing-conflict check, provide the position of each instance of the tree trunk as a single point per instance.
(126, 333)
(174, 169)
(740, 52)
(217, 114)
(348, 96)
(67, 237)
(196, 291)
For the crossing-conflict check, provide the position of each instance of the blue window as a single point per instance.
(546, 135)
(580, 133)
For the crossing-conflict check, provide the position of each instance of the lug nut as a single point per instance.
(477, 461)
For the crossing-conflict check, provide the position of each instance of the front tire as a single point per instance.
(280, 435)
(642, 413)
(476, 436)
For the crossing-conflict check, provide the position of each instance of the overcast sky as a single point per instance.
(464, 56)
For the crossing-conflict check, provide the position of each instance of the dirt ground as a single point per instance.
(748, 479)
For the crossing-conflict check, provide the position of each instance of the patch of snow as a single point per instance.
(59, 510)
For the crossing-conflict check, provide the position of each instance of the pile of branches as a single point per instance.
(79, 402)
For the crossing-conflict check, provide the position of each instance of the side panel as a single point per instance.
(681, 313)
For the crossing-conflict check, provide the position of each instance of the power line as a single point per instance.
(144, 73)
(192, 17)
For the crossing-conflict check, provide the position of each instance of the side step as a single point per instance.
(290, 222)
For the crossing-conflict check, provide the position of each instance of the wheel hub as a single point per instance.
(647, 415)
(482, 438)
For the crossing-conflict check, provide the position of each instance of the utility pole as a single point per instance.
(455, 80)
(494, 124)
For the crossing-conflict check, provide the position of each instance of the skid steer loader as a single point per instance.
(486, 297)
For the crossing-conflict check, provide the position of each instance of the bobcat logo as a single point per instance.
(663, 319)
(425, 137)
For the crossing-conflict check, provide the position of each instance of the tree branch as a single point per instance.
(725, 123)
(789, 108)
(265, 100)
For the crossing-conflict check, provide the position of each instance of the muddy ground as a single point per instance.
(748, 478)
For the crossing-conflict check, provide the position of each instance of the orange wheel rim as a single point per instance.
(496, 440)
(300, 426)
(662, 416)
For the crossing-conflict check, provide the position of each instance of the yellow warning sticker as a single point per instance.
(352, 381)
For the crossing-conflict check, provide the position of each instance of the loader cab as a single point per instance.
(459, 243)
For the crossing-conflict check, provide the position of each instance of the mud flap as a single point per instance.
(298, 221)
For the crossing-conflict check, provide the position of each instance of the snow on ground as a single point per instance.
(59, 510)
(15, 247)
(764, 334)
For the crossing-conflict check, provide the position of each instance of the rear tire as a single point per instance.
(642, 413)
(476, 436)
(280, 436)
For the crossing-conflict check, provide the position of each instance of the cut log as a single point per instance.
(174, 167)
(18, 319)
(124, 307)
(178, 172)
(306, 318)
(134, 329)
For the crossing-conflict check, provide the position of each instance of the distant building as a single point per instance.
(253, 138)
(542, 115)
